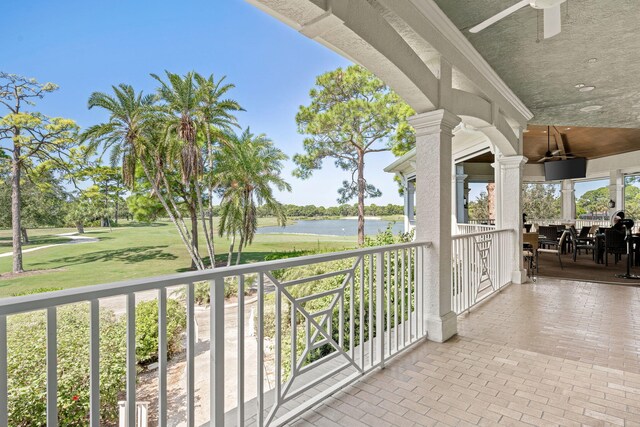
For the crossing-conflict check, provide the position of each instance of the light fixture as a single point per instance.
(612, 204)
(568, 129)
(579, 85)
(587, 88)
(592, 60)
(591, 108)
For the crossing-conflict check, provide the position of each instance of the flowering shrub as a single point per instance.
(26, 339)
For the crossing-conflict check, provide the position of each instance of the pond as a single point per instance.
(334, 227)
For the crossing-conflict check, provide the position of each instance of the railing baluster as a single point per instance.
(52, 367)
(162, 357)
(362, 313)
(191, 344)
(94, 364)
(409, 299)
(278, 350)
(131, 361)
(294, 339)
(216, 354)
(403, 295)
(352, 319)
(4, 404)
(380, 307)
(260, 397)
(396, 327)
(387, 282)
(371, 308)
(341, 320)
(241, 351)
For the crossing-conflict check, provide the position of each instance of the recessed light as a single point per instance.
(587, 88)
(592, 60)
(590, 108)
(525, 131)
(567, 128)
(579, 85)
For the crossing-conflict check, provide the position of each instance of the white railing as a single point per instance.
(578, 223)
(474, 228)
(481, 266)
(320, 322)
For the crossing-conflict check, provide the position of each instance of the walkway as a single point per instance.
(74, 239)
(552, 353)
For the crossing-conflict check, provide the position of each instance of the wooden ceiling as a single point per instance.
(588, 142)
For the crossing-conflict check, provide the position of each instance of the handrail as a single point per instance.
(21, 304)
(481, 233)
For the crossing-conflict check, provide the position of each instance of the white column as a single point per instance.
(497, 190)
(460, 194)
(568, 200)
(616, 190)
(433, 180)
(510, 208)
(409, 208)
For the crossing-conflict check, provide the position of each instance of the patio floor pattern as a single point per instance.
(556, 352)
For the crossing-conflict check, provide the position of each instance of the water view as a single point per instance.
(334, 227)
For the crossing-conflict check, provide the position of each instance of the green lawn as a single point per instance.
(133, 251)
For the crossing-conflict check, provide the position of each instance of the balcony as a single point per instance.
(352, 348)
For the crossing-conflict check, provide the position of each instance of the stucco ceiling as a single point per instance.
(544, 74)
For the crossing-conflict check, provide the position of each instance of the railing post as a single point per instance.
(380, 306)
(216, 368)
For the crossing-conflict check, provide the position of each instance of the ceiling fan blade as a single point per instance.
(552, 21)
(544, 159)
(495, 18)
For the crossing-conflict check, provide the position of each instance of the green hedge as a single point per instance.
(26, 336)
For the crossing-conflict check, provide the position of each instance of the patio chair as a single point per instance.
(584, 232)
(530, 251)
(557, 249)
(580, 242)
(548, 235)
(614, 243)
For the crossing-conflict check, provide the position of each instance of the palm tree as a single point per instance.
(215, 116)
(180, 99)
(126, 134)
(249, 169)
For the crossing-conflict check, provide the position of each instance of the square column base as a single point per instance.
(441, 328)
(519, 277)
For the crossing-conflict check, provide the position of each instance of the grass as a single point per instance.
(134, 251)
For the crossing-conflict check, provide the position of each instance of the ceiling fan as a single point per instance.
(556, 154)
(550, 8)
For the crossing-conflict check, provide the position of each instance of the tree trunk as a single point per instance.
(194, 236)
(361, 190)
(240, 250)
(15, 209)
(207, 237)
(233, 242)
(25, 236)
(173, 219)
(210, 155)
(80, 227)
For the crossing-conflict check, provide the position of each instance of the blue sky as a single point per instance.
(86, 46)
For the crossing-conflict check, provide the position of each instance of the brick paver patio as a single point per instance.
(553, 353)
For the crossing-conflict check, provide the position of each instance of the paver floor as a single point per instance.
(553, 353)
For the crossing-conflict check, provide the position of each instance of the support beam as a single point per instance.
(616, 190)
(461, 195)
(409, 205)
(434, 135)
(510, 209)
(568, 200)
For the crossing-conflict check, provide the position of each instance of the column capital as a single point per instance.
(433, 122)
(512, 162)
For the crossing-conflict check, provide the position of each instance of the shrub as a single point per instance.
(147, 329)
(27, 367)
(202, 295)
(26, 339)
(34, 291)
